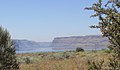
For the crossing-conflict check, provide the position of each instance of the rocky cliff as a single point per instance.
(86, 42)
(22, 45)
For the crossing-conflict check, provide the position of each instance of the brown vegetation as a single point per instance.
(78, 61)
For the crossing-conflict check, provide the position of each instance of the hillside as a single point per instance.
(90, 42)
(23, 45)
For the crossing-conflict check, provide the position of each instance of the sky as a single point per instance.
(43, 20)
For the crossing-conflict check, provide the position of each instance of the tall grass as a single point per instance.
(63, 60)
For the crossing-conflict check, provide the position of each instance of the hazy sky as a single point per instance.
(42, 20)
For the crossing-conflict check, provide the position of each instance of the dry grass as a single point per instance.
(77, 62)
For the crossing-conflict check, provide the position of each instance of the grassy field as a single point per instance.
(70, 60)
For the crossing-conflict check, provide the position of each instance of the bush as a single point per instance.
(93, 65)
(109, 21)
(109, 24)
(79, 49)
(107, 51)
(114, 63)
(27, 60)
(8, 59)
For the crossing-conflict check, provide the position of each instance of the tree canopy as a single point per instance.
(7, 51)
(109, 21)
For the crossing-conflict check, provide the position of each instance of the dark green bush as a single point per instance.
(8, 59)
(109, 24)
(114, 63)
(79, 49)
(109, 21)
(93, 65)
(27, 60)
(107, 51)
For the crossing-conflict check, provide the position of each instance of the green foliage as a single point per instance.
(79, 49)
(94, 51)
(109, 21)
(7, 52)
(107, 51)
(95, 65)
(60, 55)
(114, 63)
(27, 60)
(109, 24)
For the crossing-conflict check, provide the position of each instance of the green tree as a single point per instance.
(7, 52)
(109, 21)
(109, 24)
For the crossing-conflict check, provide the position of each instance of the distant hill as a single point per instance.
(91, 42)
(23, 45)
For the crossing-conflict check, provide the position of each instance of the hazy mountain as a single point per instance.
(86, 42)
(22, 45)
(91, 42)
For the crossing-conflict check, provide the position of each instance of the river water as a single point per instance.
(55, 49)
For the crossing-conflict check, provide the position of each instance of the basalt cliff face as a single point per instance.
(23, 45)
(91, 42)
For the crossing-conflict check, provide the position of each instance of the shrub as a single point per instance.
(8, 59)
(94, 51)
(109, 21)
(109, 24)
(27, 60)
(79, 49)
(93, 65)
(114, 63)
(107, 51)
